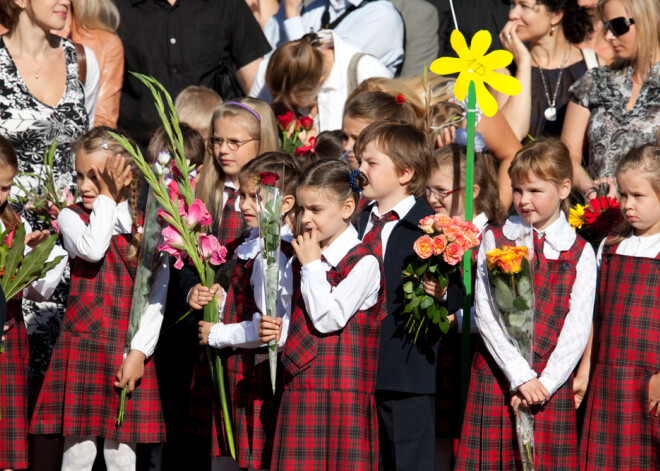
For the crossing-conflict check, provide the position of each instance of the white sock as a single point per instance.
(119, 456)
(79, 453)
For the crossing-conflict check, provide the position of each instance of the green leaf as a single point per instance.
(415, 301)
(520, 304)
(408, 287)
(408, 308)
(421, 269)
(503, 295)
(409, 270)
(426, 302)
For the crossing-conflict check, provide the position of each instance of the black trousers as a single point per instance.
(406, 429)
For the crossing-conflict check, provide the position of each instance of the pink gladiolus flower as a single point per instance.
(173, 243)
(69, 198)
(165, 216)
(197, 213)
(179, 263)
(56, 228)
(209, 248)
(453, 254)
(427, 224)
(174, 189)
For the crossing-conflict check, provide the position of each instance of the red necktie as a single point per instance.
(373, 238)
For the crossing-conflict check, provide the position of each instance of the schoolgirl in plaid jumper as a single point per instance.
(240, 130)
(564, 287)
(622, 423)
(445, 194)
(14, 356)
(254, 405)
(78, 398)
(328, 414)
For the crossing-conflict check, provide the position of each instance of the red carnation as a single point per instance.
(400, 99)
(268, 178)
(602, 214)
(285, 120)
(305, 122)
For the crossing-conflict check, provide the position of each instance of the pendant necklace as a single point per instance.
(36, 74)
(550, 112)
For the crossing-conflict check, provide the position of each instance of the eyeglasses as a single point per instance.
(618, 26)
(232, 144)
(440, 195)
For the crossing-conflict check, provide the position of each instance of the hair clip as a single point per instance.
(353, 182)
(104, 143)
(400, 99)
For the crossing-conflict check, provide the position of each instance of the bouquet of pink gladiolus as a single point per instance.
(185, 236)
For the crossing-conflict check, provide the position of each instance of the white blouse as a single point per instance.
(330, 308)
(90, 242)
(559, 237)
(246, 334)
(633, 246)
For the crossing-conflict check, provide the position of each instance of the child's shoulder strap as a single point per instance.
(80, 210)
(351, 258)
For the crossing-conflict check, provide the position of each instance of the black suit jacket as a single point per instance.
(402, 365)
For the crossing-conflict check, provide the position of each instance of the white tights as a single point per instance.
(80, 453)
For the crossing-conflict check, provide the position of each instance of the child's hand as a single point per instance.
(131, 371)
(200, 296)
(270, 329)
(533, 393)
(116, 176)
(580, 384)
(204, 330)
(307, 247)
(654, 394)
(35, 238)
(434, 288)
(5, 331)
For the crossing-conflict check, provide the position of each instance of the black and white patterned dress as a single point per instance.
(31, 126)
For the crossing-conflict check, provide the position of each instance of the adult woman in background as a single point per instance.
(617, 107)
(549, 67)
(93, 23)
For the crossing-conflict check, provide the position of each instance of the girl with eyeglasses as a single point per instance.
(616, 107)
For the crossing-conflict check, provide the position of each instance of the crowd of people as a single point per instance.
(333, 97)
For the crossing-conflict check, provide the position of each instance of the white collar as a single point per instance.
(402, 208)
(342, 4)
(251, 247)
(230, 184)
(338, 249)
(559, 235)
(480, 220)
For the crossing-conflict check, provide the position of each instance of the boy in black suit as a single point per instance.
(397, 160)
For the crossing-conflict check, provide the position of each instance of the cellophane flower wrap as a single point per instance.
(269, 206)
(596, 218)
(439, 253)
(46, 200)
(186, 221)
(510, 283)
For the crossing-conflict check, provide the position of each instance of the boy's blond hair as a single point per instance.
(194, 106)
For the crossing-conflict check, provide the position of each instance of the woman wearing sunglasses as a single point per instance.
(541, 35)
(617, 107)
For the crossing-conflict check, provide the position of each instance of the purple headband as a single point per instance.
(244, 106)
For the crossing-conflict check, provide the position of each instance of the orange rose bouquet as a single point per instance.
(512, 295)
(439, 252)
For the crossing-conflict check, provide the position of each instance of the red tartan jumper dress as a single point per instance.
(619, 432)
(328, 417)
(78, 398)
(203, 417)
(14, 390)
(254, 406)
(488, 439)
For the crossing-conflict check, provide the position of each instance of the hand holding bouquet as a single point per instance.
(439, 253)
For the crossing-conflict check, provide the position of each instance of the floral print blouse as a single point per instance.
(613, 131)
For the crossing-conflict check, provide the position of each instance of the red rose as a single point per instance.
(268, 178)
(305, 122)
(285, 120)
(302, 150)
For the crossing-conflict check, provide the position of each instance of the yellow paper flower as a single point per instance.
(576, 216)
(476, 67)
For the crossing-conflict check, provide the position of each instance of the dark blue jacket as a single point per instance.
(402, 365)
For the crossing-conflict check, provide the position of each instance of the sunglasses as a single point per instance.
(618, 26)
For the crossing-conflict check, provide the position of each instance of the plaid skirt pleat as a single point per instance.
(326, 430)
(488, 439)
(619, 431)
(13, 392)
